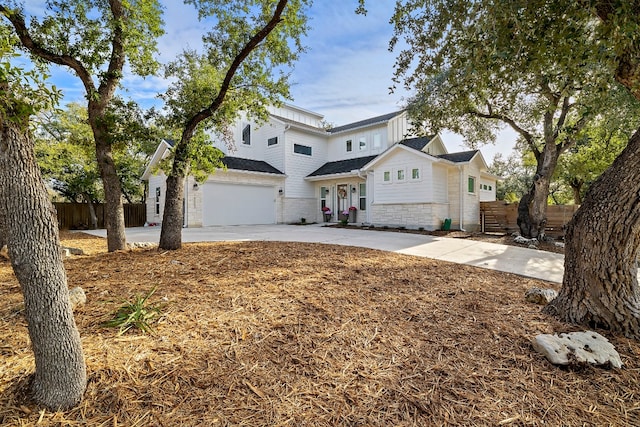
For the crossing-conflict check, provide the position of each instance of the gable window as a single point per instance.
(490, 188)
(400, 174)
(302, 149)
(157, 201)
(471, 184)
(246, 135)
(272, 141)
(363, 196)
(415, 173)
(363, 143)
(377, 141)
(386, 176)
(349, 145)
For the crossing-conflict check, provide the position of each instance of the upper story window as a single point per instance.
(400, 174)
(363, 143)
(302, 149)
(349, 145)
(272, 141)
(246, 135)
(377, 141)
(471, 184)
(415, 173)
(386, 176)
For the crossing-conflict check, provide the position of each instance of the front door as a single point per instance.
(343, 201)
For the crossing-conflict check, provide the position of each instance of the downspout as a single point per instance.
(461, 198)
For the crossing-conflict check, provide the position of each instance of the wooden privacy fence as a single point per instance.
(75, 216)
(503, 217)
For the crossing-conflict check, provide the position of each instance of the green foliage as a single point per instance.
(23, 93)
(136, 314)
(84, 29)
(66, 154)
(233, 76)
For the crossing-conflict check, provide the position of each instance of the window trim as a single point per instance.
(419, 178)
(470, 179)
(386, 174)
(349, 145)
(310, 154)
(246, 132)
(404, 175)
(362, 196)
(362, 143)
(269, 144)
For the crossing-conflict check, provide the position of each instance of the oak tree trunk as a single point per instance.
(32, 239)
(172, 219)
(532, 210)
(600, 285)
(92, 212)
(113, 209)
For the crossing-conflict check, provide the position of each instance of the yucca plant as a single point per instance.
(136, 314)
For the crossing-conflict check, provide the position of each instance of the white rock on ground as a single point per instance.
(77, 297)
(142, 245)
(583, 347)
(540, 296)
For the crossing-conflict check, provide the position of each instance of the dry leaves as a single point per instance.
(265, 333)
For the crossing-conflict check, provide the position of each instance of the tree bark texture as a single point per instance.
(173, 216)
(600, 285)
(32, 239)
(114, 210)
(532, 210)
(92, 212)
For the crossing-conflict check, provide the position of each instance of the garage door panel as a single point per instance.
(238, 204)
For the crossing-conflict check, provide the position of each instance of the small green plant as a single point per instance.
(420, 228)
(303, 220)
(344, 221)
(136, 314)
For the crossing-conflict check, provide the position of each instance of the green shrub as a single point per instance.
(137, 314)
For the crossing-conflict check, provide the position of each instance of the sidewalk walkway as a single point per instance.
(511, 259)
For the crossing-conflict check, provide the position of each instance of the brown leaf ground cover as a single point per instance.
(295, 334)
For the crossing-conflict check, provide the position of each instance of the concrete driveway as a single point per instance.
(525, 262)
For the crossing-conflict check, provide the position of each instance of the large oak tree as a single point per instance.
(477, 66)
(600, 285)
(29, 228)
(243, 70)
(95, 40)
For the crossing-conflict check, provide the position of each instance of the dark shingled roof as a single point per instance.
(171, 142)
(379, 119)
(237, 163)
(342, 166)
(417, 143)
(463, 156)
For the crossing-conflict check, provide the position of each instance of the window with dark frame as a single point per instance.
(272, 141)
(157, 200)
(349, 145)
(302, 149)
(246, 135)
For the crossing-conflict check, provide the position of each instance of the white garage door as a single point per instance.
(236, 204)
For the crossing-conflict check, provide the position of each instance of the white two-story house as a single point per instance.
(292, 167)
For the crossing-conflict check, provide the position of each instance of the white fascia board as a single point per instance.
(332, 176)
(158, 155)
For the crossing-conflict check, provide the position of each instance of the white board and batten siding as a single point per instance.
(375, 139)
(407, 190)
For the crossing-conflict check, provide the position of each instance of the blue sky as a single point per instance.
(345, 75)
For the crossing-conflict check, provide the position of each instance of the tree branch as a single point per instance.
(566, 106)
(528, 137)
(17, 20)
(117, 60)
(226, 83)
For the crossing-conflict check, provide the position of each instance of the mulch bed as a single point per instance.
(295, 334)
